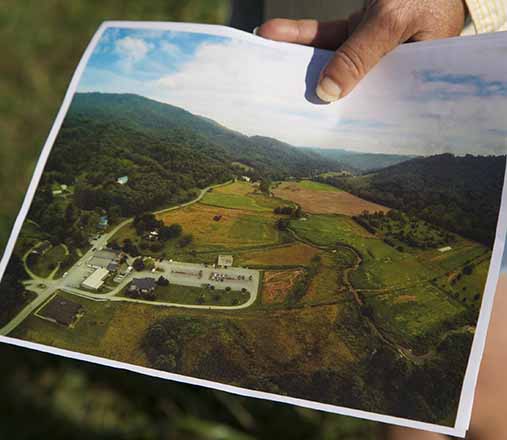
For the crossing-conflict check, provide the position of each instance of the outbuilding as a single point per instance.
(96, 280)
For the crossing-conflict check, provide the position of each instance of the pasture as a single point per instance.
(296, 254)
(316, 198)
(85, 337)
(199, 295)
(214, 227)
(415, 317)
(240, 195)
(382, 265)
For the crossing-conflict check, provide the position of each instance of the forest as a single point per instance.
(461, 194)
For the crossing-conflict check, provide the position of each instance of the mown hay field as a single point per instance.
(240, 195)
(296, 254)
(315, 199)
(229, 228)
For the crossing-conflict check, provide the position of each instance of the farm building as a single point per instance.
(225, 261)
(142, 286)
(123, 180)
(445, 249)
(62, 311)
(103, 222)
(96, 280)
(102, 259)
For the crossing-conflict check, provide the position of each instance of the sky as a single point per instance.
(414, 102)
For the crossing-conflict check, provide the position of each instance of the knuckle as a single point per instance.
(352, 61)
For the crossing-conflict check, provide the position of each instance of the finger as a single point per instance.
(373, 38)
(324, 35)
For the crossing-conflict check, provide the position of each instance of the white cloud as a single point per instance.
(131, 50)
(170, 48)
(260, 90)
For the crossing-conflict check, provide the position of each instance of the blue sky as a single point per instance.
(414, 104)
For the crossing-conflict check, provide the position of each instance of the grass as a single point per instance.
(327, 230)
(317, 186)
(84, 337)
(297, 254)
(240, 195)
(44, 265)
(200, 296)
(416, 317)
(327, 284)
(234, 229)
(277, 285)
(382, 267)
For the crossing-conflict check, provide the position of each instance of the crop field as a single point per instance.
(297, 254)
(278, 284)
(315, 199)
(240, 195)
(228, 228)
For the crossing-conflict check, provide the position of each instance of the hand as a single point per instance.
(362, 40)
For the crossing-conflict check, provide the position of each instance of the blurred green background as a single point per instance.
(47, 397)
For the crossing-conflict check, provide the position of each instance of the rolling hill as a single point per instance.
(460, 193)
(360, 162)
(173, 125)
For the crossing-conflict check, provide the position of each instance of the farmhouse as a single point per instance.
(62, 311)
(142, 286)
(96, 280)
(225, 261)
(103, 222)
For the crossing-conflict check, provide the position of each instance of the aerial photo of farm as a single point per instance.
(163, 239)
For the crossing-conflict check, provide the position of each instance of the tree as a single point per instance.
(282, 224)
(139, 264)
(169, 232)
(162, 281)
(265, 186)
(468, 269)
(186, 240)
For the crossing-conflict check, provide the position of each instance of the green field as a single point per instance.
(44, 265)
(200, 296)
(416, 317)
(327, 230)
(83, 337)
(317, 186)
(240, 195)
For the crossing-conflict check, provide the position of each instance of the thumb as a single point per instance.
(372, 39)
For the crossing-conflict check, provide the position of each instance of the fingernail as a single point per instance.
(328, 90)
(256, 31)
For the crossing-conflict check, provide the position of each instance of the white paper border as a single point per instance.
(466, 401)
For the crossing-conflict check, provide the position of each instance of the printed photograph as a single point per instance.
(199, 215)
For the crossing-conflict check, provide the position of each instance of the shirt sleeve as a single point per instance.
(488, 15)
